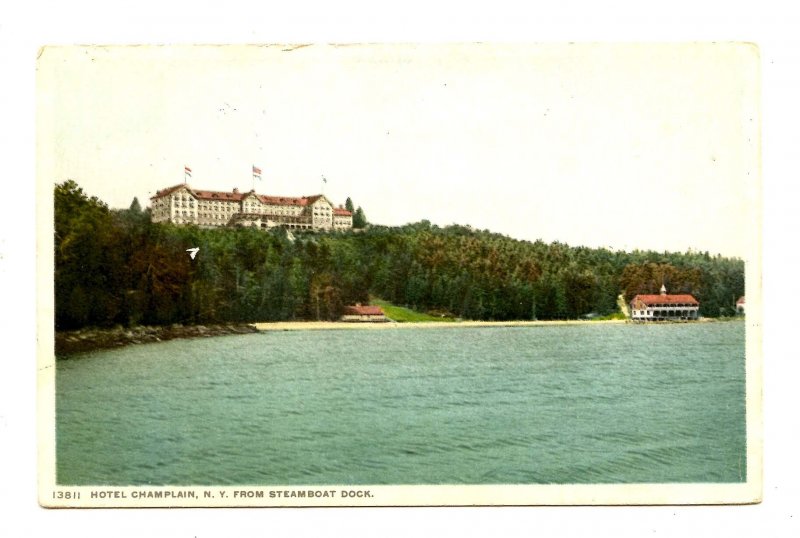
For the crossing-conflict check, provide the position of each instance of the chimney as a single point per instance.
(235, 190)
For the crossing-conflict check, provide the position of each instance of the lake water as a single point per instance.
(526, 405)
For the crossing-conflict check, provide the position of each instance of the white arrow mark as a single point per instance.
(193, 251)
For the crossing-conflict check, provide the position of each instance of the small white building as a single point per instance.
(740, 305)
(664, 307)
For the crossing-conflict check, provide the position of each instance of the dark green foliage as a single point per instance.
(87, 260)
(359, 219)
(480, 275)
(116, 267)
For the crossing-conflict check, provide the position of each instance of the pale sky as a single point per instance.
(622, 146)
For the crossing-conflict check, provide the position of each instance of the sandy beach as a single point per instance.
(343, 325)
(89, 339)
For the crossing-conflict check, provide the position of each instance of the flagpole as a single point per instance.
(256, 174)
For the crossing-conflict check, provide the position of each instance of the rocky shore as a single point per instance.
(68, 342)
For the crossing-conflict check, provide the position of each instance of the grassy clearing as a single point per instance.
(402, 314)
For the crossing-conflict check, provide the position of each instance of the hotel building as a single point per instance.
(210, 209)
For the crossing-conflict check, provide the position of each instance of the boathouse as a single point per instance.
(664, 307)
(363, 313)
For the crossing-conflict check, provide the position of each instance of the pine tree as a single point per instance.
(359, 219)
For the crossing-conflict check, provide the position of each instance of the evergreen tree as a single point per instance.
(116, 267)
(359, 219)
(348, 205)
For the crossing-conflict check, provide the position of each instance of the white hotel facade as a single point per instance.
(181, 204)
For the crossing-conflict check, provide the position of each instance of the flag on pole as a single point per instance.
(256, 172)
(187, 171)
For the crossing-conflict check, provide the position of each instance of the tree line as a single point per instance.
(116, 267)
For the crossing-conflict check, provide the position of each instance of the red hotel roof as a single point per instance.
(363, 310)
(216, 195)
(238, 196)
(282, 200)
(340, 211)
(205, 195)
(168, 190)
(666, 299)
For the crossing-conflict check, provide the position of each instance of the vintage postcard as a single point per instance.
(399, 275)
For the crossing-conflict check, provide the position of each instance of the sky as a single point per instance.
(618, 146)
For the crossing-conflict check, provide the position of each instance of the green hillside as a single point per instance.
(116, 267)
(402, 314)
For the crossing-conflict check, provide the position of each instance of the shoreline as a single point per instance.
(267, 326)
(385, 325)
(94, 338)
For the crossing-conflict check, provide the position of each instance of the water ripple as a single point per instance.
(467, 406)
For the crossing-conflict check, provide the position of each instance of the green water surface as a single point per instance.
(598, 403)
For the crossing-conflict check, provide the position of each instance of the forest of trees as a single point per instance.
(115, 267)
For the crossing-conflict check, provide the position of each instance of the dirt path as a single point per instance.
(623, 306)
